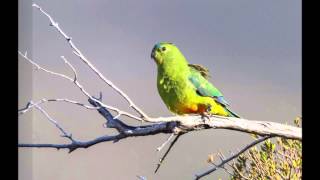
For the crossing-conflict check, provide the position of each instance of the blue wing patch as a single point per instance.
(221, 100)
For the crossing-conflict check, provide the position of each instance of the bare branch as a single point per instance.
(222, 167)
(78, 53)
(126, 131)
(75, 144)
(123, 129)
(72, 68)
(236, 169)
(177, 125)
(38, 67)
(188, 123)
(29, 106)
(200, 175)
(161, 160)
(196, 122)
(262, 128)
(65, 134)
(76, 83)
(163, 144)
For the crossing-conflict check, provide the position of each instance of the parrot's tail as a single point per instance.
(232, 114)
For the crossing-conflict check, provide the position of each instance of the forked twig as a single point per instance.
(167, 152)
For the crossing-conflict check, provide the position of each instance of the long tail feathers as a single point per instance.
(232, 114)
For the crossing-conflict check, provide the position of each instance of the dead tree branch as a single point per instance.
(123, 129)
(127, 131)
(78, 53)
(161, 160)
(176, 125)
(77, 84)
(29, 106)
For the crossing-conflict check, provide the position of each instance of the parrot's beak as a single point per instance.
(153, 52)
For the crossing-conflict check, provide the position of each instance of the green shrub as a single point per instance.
(272, 160)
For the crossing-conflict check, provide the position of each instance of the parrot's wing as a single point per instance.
(205, 88)
(201, 69)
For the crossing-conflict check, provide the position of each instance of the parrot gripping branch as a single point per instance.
(175, 124)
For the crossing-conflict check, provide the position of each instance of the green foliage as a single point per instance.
(272, 160)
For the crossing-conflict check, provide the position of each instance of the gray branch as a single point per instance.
(128, 131)
(263, 128)
(175, 124)
(123, 129)
(224, 161)
(78, 53)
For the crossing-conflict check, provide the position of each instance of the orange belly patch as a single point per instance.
(194, 108)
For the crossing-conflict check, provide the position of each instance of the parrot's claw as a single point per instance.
(205, 116)
(208, 110)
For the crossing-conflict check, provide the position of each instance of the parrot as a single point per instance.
(185, 88)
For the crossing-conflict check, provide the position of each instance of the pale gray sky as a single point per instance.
(252, 48)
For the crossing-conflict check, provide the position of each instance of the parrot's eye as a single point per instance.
(163, 48)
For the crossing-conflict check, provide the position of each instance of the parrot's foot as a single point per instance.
(208, 110)
(206, 115)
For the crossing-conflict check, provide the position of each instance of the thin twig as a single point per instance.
(163, 144)
(181, 124)
(161, 160)
(123, 129)
(222, 158)
(64, 132)
(29, 106)
(224, 168)
(259, 164)
(252, 157)
(78, 53)
(236, 169)
(128, 131)
(200, 175)
(71, 67)
(76, 83)
(38, 67)
(193, 122)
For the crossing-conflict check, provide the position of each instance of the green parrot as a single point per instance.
(184, 87)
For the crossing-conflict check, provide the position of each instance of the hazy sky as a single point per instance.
(252, 48)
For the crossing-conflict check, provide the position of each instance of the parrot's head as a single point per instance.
(164, 51)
